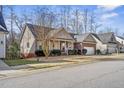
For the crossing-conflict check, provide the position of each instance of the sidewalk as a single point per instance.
(4, 66)
(28, 69)
(22, 70)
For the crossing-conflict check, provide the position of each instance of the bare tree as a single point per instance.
(21, 20)
(92, 21)
(11, 17)
(45, 20)
(85, 20)
(65, 16)
(77, 21)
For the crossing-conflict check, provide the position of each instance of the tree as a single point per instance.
(11, 17)
(46, 20)
(76, 24)
(77, 21)
(85, 20)
(65, 16)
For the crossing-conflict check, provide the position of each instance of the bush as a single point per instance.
(71, 52)
(13, 52)
(84, 51)
(39, 53)
(98, 52)
(55, 52)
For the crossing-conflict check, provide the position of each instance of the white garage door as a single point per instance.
(90, 50)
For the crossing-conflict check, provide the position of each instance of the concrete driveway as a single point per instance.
(101, 74)
(4, 66)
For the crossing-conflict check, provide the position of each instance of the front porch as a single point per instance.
(59, 44)
(62, 45)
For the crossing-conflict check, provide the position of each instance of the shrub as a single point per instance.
(13, 52)
(39, 53)
(55, 52)
(71, 52)
(84, 51)
(98, 52)
(79, 52)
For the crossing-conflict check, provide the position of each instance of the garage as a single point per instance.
(86, 41)
(90, 50)
(112, 48)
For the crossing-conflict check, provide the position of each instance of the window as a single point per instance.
(53, 45)
(112, 39)
(1, 42)
(122, 42)
(40, 47)
(28, 45)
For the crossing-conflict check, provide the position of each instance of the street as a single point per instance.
(108, 74)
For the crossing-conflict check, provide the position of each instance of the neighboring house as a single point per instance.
(106, 42)
(85, 41)
(120, 41)
(31, 39)
(3, 33)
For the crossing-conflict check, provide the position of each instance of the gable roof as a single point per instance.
(120, 37)
(2, 24)
(82, 37)
(54, 31)
(94, 34)
(37, 31)
(106, 37)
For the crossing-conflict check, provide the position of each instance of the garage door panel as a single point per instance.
(90, 50)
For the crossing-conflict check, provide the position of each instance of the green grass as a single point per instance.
(19, 62)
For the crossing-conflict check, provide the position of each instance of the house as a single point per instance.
(31, 39)
(3, 33)
(120, 41)
(106, 42)
(85, 41)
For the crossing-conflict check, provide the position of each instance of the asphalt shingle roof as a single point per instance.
(81, 37)
(2, 24)
(38, 30)
(105, 37)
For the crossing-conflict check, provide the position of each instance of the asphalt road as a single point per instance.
(102, 74)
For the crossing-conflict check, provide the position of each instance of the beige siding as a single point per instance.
(90, 39)
(99, 45)
(27, 37)
(56, 44)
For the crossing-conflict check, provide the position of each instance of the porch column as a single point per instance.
(66, 44)
(81, 48)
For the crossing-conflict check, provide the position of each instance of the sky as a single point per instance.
(107, 15)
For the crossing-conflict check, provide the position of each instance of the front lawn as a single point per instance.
(19, 62)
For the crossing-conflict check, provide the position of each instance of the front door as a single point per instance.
(62, 46)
